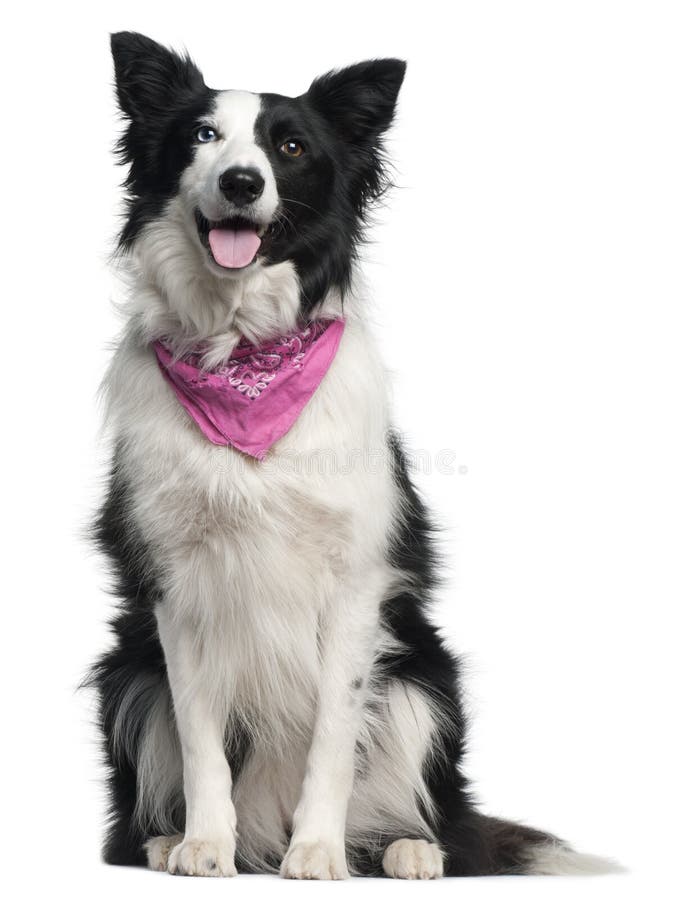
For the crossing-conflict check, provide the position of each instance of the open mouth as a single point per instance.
(233, 243)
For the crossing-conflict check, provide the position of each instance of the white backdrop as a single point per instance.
(524, 281)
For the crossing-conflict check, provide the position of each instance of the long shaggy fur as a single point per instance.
(272, 603)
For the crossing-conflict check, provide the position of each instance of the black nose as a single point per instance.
(241, 186)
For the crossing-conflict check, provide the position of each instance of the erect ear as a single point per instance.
(360, 100)
(150, 78)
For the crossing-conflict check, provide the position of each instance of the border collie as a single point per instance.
(276, 697)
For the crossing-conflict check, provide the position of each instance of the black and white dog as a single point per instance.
(276, 697)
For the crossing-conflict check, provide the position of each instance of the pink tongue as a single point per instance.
(234, 249)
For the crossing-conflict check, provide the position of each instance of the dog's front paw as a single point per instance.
(214, 859)
(318, 861)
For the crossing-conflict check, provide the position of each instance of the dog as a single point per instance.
(276, 697)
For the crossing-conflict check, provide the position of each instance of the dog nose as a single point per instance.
(241, 186)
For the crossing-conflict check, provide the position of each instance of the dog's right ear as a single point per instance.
(150, 78)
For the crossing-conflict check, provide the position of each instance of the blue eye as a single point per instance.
(204, 134)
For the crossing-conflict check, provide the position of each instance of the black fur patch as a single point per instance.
(474, 844)
(162, 96)
(325, 194)
(136, 658)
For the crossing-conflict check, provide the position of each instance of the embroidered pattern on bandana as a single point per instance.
(251, 369)
(254, 398)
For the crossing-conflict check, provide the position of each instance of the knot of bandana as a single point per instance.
(250, 401)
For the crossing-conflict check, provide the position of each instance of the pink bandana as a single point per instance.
(252, 400)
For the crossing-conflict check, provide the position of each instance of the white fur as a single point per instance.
(211, 858)
(410, 859)
(272, 574)
(159, 765)
(177, 290)
(208, 846)
(180, 299)
(397, 739)
(556, 858)
(348, 637)
(234, 118)
(318, 860)
(158, 851)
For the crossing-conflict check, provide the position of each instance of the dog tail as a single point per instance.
(499, 847)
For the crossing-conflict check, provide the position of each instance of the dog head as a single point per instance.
(234, 182)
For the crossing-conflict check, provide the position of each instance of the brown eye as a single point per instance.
(292, 148)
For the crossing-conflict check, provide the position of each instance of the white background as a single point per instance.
(524, 280)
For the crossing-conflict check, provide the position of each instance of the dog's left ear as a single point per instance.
(360, 100)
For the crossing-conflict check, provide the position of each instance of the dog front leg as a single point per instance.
(208, 845)
(317, 848)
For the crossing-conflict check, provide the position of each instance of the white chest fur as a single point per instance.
(252, 553)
